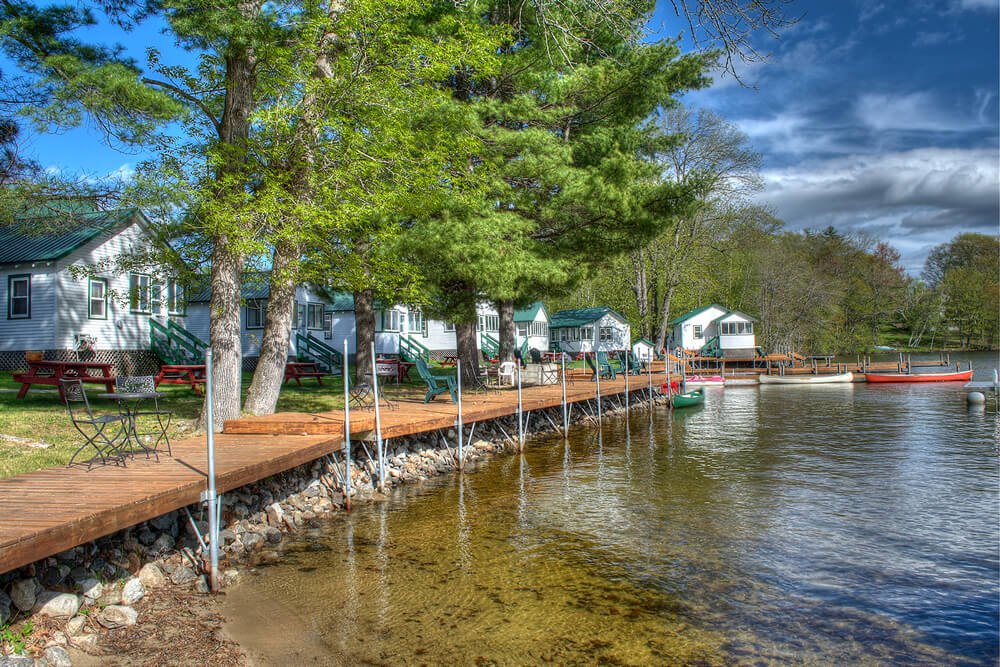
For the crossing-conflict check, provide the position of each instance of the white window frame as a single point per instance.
(176, 304)
(607, 334)
(449, 327)
(393, 320)
(91, 300)
(327, 325)
(258, 307)
(11, 280)
(140, 299)
(314, 317)
(414, 321)
(587, 333)
(522, 330)
(697, 330)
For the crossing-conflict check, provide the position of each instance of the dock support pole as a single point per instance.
(520, 426)
(213, 516)
(650, 375)
(597, 375)
(378, 428)
(562, 358)
(461, 443)
(626, 388)
(347, 432)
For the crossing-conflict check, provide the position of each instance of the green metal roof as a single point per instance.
(646, 341)
(51, 236)
(341, 302)
(531, 312)
(255, 287)
(734, 312)
(691, 313)
(582, 316)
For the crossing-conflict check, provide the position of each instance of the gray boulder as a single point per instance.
(57, 656)
(117, 616)
(22, 594)
(151, 576)
(133, 591)
(183, 575)
(91, 588)
(56, 605)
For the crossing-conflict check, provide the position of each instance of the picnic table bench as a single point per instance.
(296, 370)
(51, 372)
(450, 360)
(189, 374)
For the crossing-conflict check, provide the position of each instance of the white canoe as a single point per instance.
(699, 381)
(807, 379)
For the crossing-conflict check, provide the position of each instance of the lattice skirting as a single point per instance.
(124, 362)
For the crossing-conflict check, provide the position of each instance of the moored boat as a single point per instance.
(696, 397)
(951, 376)
(807, 379)
(699, 381)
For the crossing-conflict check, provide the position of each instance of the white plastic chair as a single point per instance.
(507, 370)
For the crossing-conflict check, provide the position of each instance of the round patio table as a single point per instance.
(128, 407)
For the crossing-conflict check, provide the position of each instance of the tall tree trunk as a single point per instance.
(224, 336)
(262, 398)
(227, 261)
(364, 328)
(640, 289)
(508, 339)
(664, 329)
(468, 352)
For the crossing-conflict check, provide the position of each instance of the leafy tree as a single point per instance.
(965, 271)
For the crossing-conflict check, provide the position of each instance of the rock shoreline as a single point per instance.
(73, 598)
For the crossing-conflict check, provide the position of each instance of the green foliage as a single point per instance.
(15, 639)
(965, 272)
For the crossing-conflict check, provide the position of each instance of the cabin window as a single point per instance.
(489, 323)
(390, 320)
(328, 325)
(696, 331)
(414, 321)
(97, 299)
(587, 333)
(449, 327)
(607, 334)
(255, 314)
(315, 316)
(156, 298)
(300, 315)
(522, 330)
(538, 329)
(554, 335)
(19, 297)
(736, 328)
(140, 287)
(176, 304)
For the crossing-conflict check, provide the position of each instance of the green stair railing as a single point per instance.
(411, 350)
(174, 344)
(524, 350)
(711, 348)
(489, 346)
(310, 348)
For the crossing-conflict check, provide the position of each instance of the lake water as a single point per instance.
(773, 525)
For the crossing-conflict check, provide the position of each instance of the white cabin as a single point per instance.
(68, 293)
(589, 330)
(714, 330)
(531, 325)
(643, 350)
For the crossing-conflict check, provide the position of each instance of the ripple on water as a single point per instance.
(838, 524)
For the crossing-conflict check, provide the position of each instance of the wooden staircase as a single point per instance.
(310, 348)
(411, 350)
(489, 346)
(174, 344)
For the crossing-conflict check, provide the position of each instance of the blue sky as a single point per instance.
(875, 117)
(872, 117)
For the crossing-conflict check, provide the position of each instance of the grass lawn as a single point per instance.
(41, 418)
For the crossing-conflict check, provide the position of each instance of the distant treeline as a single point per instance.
(818, 292)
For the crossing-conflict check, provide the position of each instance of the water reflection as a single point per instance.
(774, 525)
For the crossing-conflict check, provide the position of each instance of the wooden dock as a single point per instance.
(48, 511)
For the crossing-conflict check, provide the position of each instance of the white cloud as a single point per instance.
(913, 199)
(911, 112)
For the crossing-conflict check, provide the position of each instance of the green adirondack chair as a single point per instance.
(602, 368)
(602, 363)
(434, 386)
(634, 367)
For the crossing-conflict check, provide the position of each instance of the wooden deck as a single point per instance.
(49, 511)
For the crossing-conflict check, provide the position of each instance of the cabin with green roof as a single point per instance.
(531, 327)
(589, 330)
(715, 331)
(68, 315)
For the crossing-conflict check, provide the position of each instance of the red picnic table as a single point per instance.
(189, 374)
(51, 372)
(296, 370)
(396, 369)
(450, 361)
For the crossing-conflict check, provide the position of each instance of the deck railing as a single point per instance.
(411, 350)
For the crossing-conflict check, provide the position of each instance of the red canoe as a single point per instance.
(959, 376)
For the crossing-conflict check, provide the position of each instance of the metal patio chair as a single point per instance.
(144, 384)
(106, 448)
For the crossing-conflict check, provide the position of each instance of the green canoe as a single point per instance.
(696, 397)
